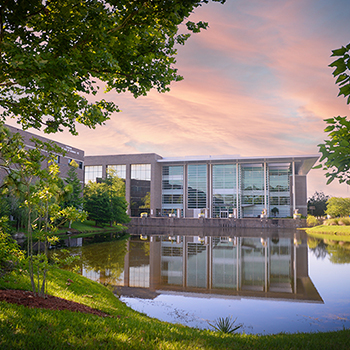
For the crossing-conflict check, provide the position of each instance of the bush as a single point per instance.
(344, 221)
(10, 253)
(331, 222)
(312, 220)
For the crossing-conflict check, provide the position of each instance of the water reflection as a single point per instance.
(255, 266)
(271, 280)
(231, 263)
(338, 251)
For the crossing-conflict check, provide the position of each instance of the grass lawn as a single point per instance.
(334, 232)
(86, 228)
(26, 328)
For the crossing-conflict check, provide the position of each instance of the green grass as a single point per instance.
(335, 232)
(86, 228)
(25, 328)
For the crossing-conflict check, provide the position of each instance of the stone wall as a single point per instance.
(231, 222)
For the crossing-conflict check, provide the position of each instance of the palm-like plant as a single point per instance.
(225, 325)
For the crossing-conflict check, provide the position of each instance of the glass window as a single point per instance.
(279, 191)
(141, 172)
(92, 172)
(172, 189)
(118, 170)
(224, 189)
(252, 178)
(252, 182)
(140, 189)
(197, 186)
(279, 180)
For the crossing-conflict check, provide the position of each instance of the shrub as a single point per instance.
(312, 220)
(331, 222)
(344, 221)
(225, 325)
(10, 253)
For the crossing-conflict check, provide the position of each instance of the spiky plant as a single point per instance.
(225, 325)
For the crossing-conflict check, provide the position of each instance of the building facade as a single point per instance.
(211, 186)
(63, 159)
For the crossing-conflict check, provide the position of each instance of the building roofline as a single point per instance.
(233, 157)
(303, 163)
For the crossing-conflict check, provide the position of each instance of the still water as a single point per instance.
(272, 280)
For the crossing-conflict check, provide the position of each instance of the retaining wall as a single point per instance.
(230, 222)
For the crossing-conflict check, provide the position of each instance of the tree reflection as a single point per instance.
(338, 252)
(105, 258)
(318, 247)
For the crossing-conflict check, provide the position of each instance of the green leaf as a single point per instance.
(339, 52)
(330, 121)
(341, 78)
(329, 128)
(330, 181)
(344, 90)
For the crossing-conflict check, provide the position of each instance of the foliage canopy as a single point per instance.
(105, 201)
(337, 206)
(54, 53)
(336, 150)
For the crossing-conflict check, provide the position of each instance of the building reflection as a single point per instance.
(265, 266)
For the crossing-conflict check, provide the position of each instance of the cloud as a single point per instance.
(257, 82)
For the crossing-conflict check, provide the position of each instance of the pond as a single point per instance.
(270, 280)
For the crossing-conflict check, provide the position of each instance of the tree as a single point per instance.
(39, 191)
(74, 195)
(317, 204)
(336, 150)
(54, 53)
(337, 206)
(96, 203)
(274, 211)
(71, 214)
(105, 202)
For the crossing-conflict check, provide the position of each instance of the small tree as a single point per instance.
(38, 189)
(337, 206)
(96, 203)
(274, 211)
(73, 196)
(72, 214)
(105, 201)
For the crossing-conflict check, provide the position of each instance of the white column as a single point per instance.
(265, 189)
(210, 190)
(237, 191)
(293, 177)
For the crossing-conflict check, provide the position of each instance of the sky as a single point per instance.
(256, 83)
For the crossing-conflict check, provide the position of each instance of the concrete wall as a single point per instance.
(206, 222)
(300, 194)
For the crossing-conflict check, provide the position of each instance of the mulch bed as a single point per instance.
(27, 298)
